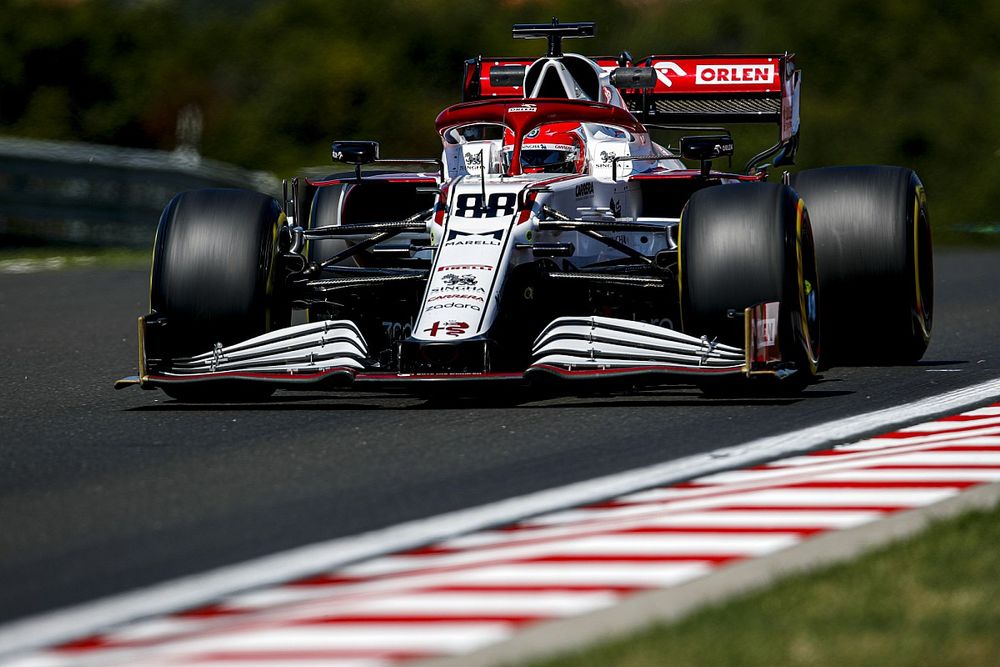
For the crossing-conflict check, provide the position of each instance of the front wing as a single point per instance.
(330, 355)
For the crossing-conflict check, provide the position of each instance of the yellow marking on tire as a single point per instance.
(269, 280)
(918, 196)
(803, 313)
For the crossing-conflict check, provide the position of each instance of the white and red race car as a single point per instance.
(553, 240)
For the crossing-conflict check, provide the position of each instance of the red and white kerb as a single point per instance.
(466, 593)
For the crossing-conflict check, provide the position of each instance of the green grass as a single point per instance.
(931, 600)
(54, 258)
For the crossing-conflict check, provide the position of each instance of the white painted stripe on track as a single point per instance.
(291, 658)
(859, 471)
(404, 600)
(957, 425)
(273, 660)
(439, 637)
(322, 659)
(271, 597)
(623, 545)
(594, 574)
(989, 433)
(578, 520)
(499, 602)
(717, 519)
(938, 458)
(869, 448)
(289, 662)
(503, 576)
(186, 592)
(814, 498)
(154, 628)
(903, 475)
(337, 642)
(506, 575)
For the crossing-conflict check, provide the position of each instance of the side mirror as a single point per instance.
(355, 152)
(706, 147)
(633, 77)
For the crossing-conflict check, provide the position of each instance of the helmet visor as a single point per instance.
(550, 160)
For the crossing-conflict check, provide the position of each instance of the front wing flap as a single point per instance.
(325, 352)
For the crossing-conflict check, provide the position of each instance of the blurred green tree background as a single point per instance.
(909, 82)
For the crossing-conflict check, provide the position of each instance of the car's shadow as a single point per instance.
(648, 397)
(924, 363)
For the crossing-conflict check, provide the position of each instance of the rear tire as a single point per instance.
(873, 248)
(746, 244)
(213, 279)
(324, 211)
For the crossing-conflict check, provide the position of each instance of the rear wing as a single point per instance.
(688, 90)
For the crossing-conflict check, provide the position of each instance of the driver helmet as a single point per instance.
(556, 148)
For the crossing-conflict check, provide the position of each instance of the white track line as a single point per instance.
(199, 589)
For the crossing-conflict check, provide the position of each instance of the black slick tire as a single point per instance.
(873, 249)
(213, 279)
(742, 245)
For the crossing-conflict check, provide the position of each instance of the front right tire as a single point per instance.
(213, 279)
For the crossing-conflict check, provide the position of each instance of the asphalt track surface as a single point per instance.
(102, 491)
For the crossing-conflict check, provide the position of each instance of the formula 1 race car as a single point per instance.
(552, 242)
